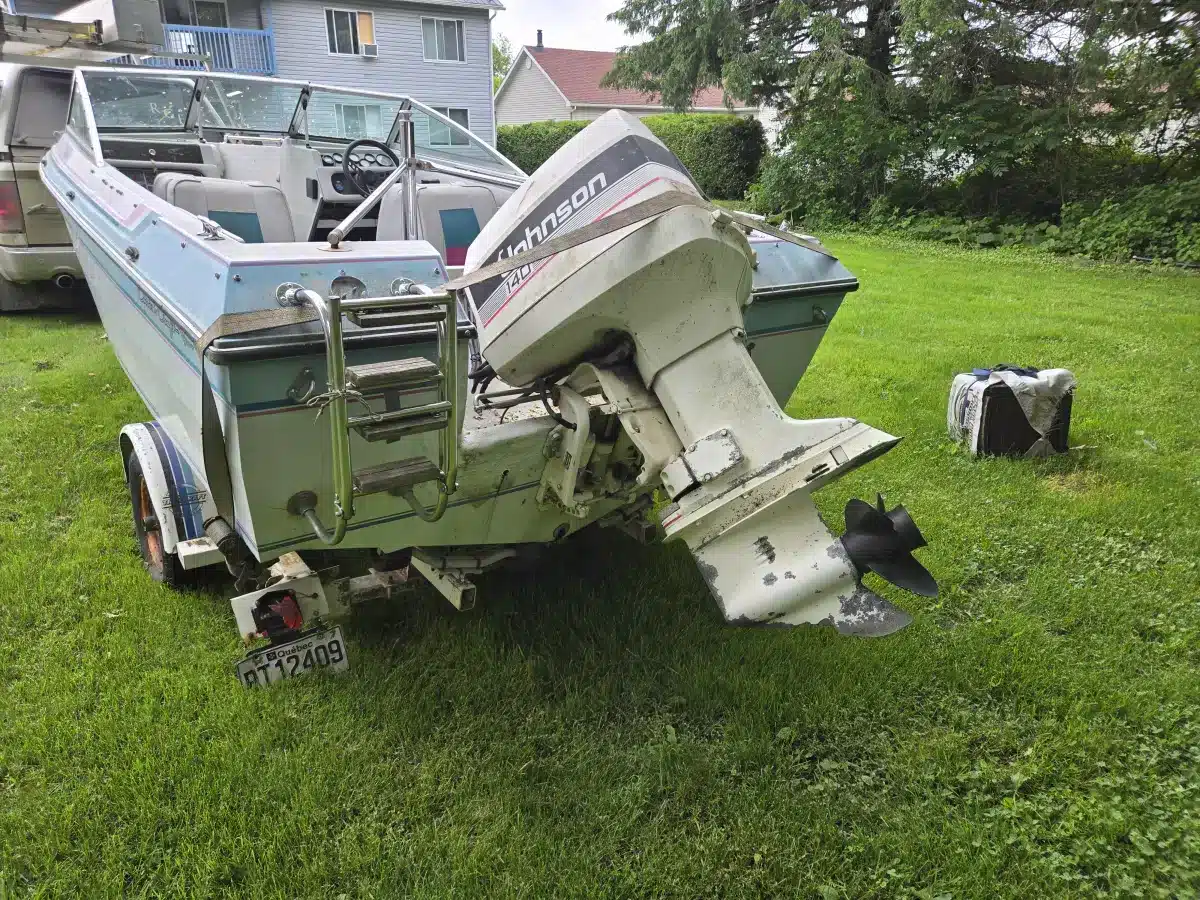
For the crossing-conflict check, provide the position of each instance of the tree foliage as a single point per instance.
(886, 102)
(502, 58)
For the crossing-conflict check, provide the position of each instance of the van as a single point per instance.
(38, 268)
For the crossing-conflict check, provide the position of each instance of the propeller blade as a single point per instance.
(908, 573)
(907, 528)
(882, 542)
(862, 516)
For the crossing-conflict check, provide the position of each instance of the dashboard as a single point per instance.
(374, 166)
(364, 157)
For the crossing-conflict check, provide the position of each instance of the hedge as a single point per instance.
(722, 151)
(532, 144)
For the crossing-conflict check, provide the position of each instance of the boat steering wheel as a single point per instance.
(353, 170)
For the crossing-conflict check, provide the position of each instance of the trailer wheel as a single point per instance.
(163, 567)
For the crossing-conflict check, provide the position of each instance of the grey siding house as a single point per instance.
(437, 51)
(552, 83)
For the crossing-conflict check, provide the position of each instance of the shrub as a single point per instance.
(1160, 222)
(978, 232)
(721, 151)
(532, 144)
(1037, 188)
(824, 176)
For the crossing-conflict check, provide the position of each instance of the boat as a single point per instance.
(381, 339)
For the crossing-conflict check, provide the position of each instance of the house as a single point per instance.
(550, 83)
(437, 51)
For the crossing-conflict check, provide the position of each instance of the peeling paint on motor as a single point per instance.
(837, 551)
(709, 573)
(866, 614)
(764, 548)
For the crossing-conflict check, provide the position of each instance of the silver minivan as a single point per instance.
(37, 264)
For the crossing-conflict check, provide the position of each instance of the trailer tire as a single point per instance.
(163, 566)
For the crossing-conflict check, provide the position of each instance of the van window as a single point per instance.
(41, 108)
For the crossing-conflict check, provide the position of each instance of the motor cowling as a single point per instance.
(670, 283)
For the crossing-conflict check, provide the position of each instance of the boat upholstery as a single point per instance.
(449, 216)
(257, 213)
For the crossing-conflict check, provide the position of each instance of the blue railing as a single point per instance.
(243, 50)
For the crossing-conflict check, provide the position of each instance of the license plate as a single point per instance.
(319, 650)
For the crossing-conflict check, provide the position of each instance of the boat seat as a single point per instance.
(449, 216)
(257, 213)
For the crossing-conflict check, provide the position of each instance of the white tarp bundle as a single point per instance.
(1040, 395)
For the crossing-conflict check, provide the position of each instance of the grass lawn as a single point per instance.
(595, 730)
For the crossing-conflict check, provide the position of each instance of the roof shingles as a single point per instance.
(577, 73)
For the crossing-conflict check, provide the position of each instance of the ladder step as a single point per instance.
(399, 317)
(395, 475)
(392, 373)
(399, 415)
(390, 431)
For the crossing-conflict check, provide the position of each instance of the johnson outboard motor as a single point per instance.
(666, 276)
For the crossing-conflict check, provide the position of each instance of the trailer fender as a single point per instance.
(180, 498)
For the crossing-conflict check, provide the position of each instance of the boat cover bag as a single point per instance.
(1011, 410)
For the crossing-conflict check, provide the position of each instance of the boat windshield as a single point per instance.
(148, 102)
(133, 103)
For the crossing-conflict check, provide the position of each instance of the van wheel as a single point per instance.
(163, 567)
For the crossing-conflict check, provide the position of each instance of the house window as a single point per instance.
(442, 135)
(209, 13)
(347, 30)
(355, 121)
(443, 39)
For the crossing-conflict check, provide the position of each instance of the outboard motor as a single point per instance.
(670, 288)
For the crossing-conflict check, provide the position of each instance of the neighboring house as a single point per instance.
(551, 83)
(437, 51)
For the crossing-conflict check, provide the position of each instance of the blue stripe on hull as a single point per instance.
(185, 488)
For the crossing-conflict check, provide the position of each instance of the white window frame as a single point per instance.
(462, 40)
(357, 39)
(445, 111)
(339, 115)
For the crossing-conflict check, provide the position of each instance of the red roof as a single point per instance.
(577, 73)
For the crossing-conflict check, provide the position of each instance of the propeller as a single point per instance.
(882, 542)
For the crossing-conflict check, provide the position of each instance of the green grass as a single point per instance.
(594, 730)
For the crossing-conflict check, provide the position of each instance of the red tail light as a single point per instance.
(289, 610)
(12, 221)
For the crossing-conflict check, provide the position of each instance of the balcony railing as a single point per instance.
(243, 50)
